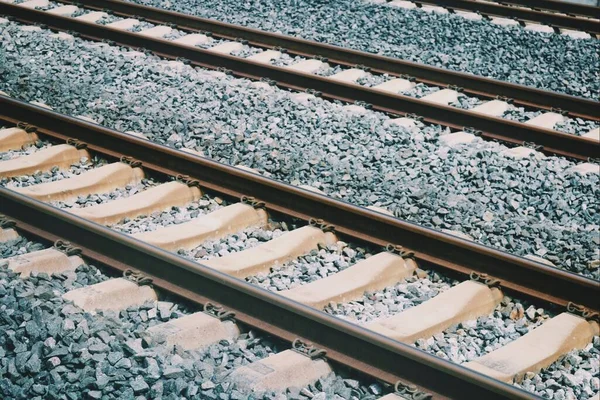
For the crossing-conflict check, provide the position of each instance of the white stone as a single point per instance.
(265, 57)
(469, 15)
(4, 93)
(226, 48)
(435, 9)
(538, 28)
(156, 32)
(403, 4)
(39, 103)
(546, 120)
(457, 138)
(124, 24)
(540, 260)
(35, 4)
(3, 21)
(495, 108)
(444, 96)
(348, 76)
(404, 122)
(504, 21)
(65, 11)
(94, 16)
(6, 235)
(380, 210)
(192, 40)
(395, 86)
(312, 189)
(307, 66)
(522, 152)
(63, 36)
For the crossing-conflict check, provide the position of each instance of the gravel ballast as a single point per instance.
(526, 206)
(51, 349)
(546, 61)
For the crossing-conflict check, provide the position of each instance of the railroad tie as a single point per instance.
(533, 27)
(192, 40)
(375, 273)
(15, 138)
(395, 86)
(265, 57)
(403, 122)
(33, 4)
(465, 301)
(573, 34)
(94, 16)
(99, 180)
(494, 108)
(49, 261)
(457, 138)
(124, 24)
(226, 48)
(159, 31)
(8, 234)
(435, 9)
(537, 349)
(191, 332)
(585, 168)
(504, 21)
(309, 66)
(547, 120)
(520, 152)
(217, 224)
(348, 76)
(158, 198)
(111, 295)
(469, 15)
(61, 156)
(594, 135)
(64, 11)
(261, 258)
(443, 97)
(408, 5)
(278, 372)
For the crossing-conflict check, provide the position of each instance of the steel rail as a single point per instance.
(432, 248)
(477, 86)
(553, 142)
(496, 9)
(345, 343)
(566, 7)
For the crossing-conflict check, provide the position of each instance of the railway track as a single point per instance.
(292, 313)
(539, 16)
(434, 108)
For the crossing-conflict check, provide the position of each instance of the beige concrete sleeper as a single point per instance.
(217, 224)
(546, 120)
(278, 372)
(114, 294)
(395, 86)
(61, 156)
(100, 180)
(191, 332)
(49, 261)
(375, 273)
(261, 258)
(265, 57)
(158, 198)
(444, 97)
(15, 138)
(464, 302)
(348, 76)
(537, 349)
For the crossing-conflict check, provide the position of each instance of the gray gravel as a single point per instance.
(50, 349)
(311, 267)
(524, 207)
(553, 62)
(26, 150)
